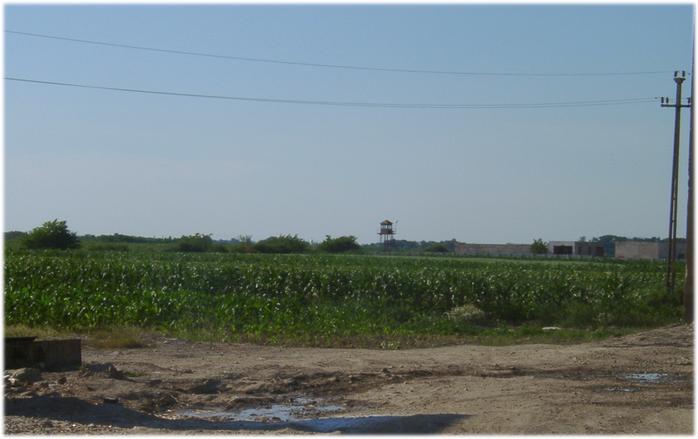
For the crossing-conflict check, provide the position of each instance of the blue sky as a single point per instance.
(161, 165)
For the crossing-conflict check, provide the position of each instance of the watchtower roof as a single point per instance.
(386, 223)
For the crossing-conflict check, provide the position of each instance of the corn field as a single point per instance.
(325, 294)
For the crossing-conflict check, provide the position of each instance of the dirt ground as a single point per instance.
(638, 384)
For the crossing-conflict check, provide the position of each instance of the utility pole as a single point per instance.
(688, 285)
(679, 77)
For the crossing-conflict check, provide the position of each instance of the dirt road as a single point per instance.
(636, 384)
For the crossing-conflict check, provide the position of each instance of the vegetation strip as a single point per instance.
(315, 297)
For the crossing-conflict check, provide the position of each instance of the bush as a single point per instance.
(51, 234)
(219, 248)
(195, 243)
(282, 244)
(244, 245)
(437, 248)
(339, 245)
(11, 236)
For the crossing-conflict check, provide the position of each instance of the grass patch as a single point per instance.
(116, 338)
(20, 330)
(131, 338)
(485, 336)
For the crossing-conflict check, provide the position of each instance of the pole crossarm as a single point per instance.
(666, 102)
(674, 105)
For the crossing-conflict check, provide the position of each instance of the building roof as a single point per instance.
(386, 223)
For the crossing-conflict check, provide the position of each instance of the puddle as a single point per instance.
(622, 389)
(411, 424)
(415, 424)
(294, 411)
(313, 416)
(646, 378)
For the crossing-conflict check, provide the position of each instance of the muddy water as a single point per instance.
(622, 389)
(412, 424)
(294, 415)
(292, 411)
(646, 378)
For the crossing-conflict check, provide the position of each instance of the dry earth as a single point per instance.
(179, 387)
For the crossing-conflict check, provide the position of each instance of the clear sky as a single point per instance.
(163, 165)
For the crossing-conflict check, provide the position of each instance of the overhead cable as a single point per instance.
(564, 104)
(336, 66)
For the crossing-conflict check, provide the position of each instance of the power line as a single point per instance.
(334, 66)
(590, 103)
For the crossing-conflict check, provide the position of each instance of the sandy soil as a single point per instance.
(177, 387)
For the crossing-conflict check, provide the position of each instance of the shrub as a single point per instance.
(13, 235)
(219, 248)
(437, 248)
(195, 243)
(51, 234)
(339, 245)
(244, 245)
(282, 244)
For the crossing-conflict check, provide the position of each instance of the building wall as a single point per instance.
(680, 250)
(648, 250)
(493, 249)
(637, 250)
(585, 248)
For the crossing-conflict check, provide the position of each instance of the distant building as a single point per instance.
(561, 247)
(649, 250)
(585, 248)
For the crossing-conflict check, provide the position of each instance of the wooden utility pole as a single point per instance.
(679, 77)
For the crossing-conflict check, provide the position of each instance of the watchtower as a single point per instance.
(387, 234)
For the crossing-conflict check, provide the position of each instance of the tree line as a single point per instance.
(55, 234)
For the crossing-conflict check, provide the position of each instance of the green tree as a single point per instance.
(339, 245)
(51, 234)
(539, 247)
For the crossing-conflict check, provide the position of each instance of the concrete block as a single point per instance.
(56, 355)
(19, 352)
